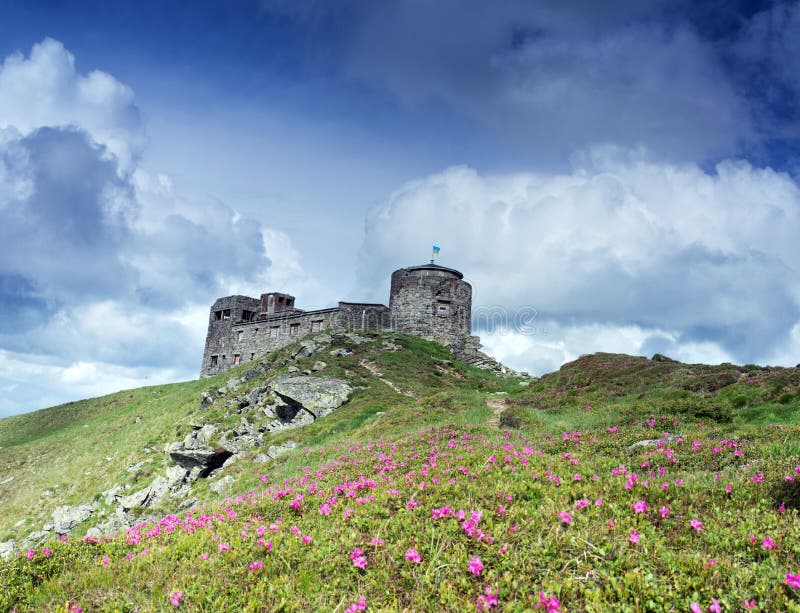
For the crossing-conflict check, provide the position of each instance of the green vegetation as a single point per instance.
(411, 497)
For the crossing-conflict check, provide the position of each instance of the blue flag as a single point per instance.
(435, 250)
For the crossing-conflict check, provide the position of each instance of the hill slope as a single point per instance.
(410, 497)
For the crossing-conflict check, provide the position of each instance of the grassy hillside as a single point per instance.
(410, 497)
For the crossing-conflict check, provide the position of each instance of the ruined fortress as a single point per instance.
(429, 301)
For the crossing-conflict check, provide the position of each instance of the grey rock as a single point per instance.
(233, 383)
(318, 395)
(239, 444)
(118, 522)
(176, 475)
(670, 438)
(66, 518)
(187, 504)
(318, 365)
(134, 467)
(231, 460)
(206, 400)
(308, 347)
(293, 369)
(34, 539)
(146, 497)
(222, 485)
(205, 433)
(255, 394)
(7, 549)
(111, 495)
(340, 352)
(204, 458)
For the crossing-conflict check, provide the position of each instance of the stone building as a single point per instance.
(429, 301)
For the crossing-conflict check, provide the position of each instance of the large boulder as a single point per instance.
(67, 518)
(146, 497)
(317, 395)
(205, 459)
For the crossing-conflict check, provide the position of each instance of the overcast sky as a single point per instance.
(627, 171)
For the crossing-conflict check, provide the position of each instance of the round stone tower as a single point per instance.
(433, 302)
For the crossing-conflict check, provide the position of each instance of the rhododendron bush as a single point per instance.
(462, 518)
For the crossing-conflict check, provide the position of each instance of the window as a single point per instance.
(239, 335)
(248, 315)
(255, 331)
(294, 329)
(226, 314)
(237, 358)
(223, 357)
(214, 359)
(316, 326)
(442, 307)
(217, 315)
(274, 331)
(252, 356)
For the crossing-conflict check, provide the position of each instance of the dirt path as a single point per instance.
(380, 376)
(496, 405)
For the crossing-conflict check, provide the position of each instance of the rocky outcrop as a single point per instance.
(199, 460)
(319, 396)
(670, 438)
(147, 496)
(7, 549)
(67, 518)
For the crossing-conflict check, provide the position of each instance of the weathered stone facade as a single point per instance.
(432, 302)
(429, 301)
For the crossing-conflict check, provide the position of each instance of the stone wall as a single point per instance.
(234, 340)
(433, 303)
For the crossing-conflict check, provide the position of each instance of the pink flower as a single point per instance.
(710, 563)
(633, 538)
(475, 566)
(696, 524)
(175, 598)
(749, 604)
(695, 608)
(361, 605)
(30, 553)
(306, 539)
(793, 581)
(375, 542)
(325, 509)
(551, 604)
(46, 552)
(74, 608)
(664, 512)
(768, 543)
(487, 600)
(566, 518)
(412, 555)
(257, 565)
(714, 606)
(106, 561)
(639, 507)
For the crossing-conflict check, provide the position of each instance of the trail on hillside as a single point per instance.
(373, 368)
(496, 406)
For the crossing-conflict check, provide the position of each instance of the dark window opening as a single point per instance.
(217, 315)
(252, 356)
(237, 358)
(255, 331)
(248, 315)
(442, 307)
(316, 326)
(226, 314)
(223, 356)
(214, 360)
(294, 329)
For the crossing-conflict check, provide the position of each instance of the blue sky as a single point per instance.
(626, 170)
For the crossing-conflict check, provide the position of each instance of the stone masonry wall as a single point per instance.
(234, 341)
(432, 304)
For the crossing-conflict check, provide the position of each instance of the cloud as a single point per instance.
(622, 240)
(107, 272)
(559, 77)
(45, 89)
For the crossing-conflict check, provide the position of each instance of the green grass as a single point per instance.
(424, 447)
